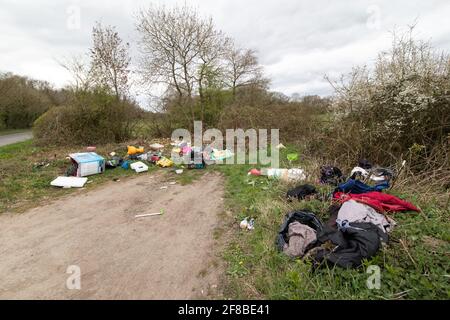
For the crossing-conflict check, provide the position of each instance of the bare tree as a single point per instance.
(179, 50)
(81, 72)
(110, 60)
(242, 68)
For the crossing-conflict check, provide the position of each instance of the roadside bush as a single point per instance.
(398, 110)
(90, 118)
(252, 107)
(295, 121)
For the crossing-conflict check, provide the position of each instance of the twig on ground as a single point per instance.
(407, 252)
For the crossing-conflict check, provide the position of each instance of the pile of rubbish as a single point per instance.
(360, 217)
(136, 158)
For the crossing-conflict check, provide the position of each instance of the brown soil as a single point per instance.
(171, 256)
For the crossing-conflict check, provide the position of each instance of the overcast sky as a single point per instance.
(297, 41)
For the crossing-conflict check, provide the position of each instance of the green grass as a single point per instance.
(414, 265)
(23, 184)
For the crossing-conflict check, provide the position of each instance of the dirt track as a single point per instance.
(171, 256)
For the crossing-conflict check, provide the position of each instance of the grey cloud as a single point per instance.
(297, 41)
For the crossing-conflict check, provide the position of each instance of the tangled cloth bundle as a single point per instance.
(381, 202)
(357, 187)
(353, 243)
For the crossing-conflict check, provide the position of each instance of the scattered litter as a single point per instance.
(156, 146)
(359, 171)
(358, 223)
(69, 182)
(139, 167)
(164, 187)
(39, 165)
(381, 174)
(251, 224)
(288, 175)
(301, 192)
(131, 150)
(295, 174)
(220, 155)
(331, 175)
(197, 160)
(254, 172)
(143, 156)
(165, 162)
(125, 165)
(186, 149)
(114, 162)
(148, 215)
(155, 158)
(246, 224)
(172, 183)
(179, 171)
(280, 146)
(292, 157)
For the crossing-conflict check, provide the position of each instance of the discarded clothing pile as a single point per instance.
(298, 232)
(348, 246)
(302, 233)
(358, 224)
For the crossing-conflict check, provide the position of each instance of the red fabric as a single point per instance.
(379, 201)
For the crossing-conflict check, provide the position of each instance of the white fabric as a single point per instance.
(363, 172)
(69, 182)
(354, 211)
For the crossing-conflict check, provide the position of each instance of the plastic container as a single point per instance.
(295, 174)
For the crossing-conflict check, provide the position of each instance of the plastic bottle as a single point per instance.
(244, 224)
(295, 174)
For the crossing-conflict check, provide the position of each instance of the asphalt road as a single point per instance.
(15, 137)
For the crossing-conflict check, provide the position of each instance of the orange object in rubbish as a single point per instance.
(254, 172)
(133, 150)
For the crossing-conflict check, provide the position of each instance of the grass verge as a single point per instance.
(27, 170)
(414, 265)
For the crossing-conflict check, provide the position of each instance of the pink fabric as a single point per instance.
(380, 201)
(186, 150)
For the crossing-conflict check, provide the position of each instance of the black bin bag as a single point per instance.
(305, 217)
